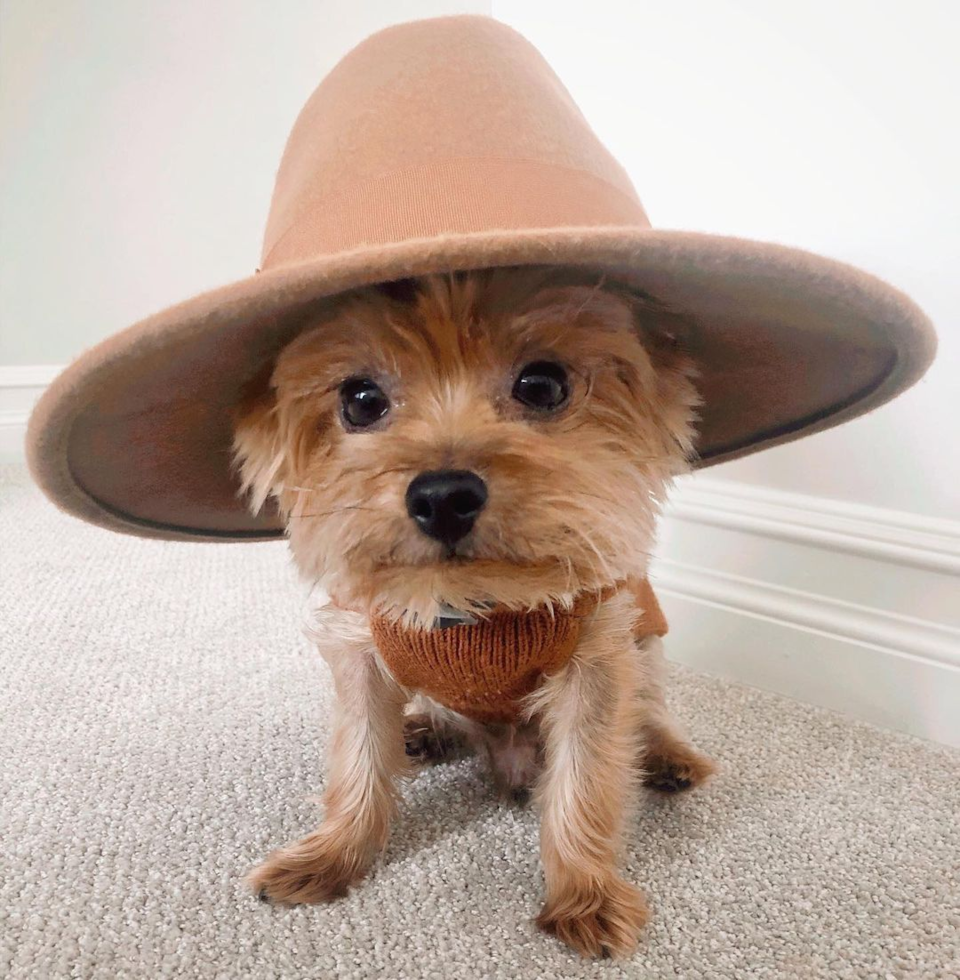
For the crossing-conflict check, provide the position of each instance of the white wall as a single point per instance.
(138, 145)
(826, 124)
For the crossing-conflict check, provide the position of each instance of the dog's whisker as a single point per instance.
(328, 513)
(590, 544)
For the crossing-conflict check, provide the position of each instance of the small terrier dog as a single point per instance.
(455, 444)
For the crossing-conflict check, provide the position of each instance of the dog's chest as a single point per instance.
(484, 669)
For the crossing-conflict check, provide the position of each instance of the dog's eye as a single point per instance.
(542, 385)
(362, 402)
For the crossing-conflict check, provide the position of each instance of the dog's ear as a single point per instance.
(666, 335)
(257, 443)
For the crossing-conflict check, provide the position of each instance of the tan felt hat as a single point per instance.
(439, 145)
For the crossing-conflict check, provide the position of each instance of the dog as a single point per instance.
(457, 444)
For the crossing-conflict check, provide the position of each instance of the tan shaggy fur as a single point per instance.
(573, 500)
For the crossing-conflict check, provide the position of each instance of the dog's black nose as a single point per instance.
(445, 503)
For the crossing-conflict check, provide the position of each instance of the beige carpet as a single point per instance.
(162, 721)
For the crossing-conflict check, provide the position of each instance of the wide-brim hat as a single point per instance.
(441, 145)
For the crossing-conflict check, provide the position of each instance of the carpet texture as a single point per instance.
(163, 721)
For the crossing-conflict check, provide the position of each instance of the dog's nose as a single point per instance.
(445, 503)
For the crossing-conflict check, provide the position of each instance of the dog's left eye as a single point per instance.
(362, 402)
(542, 385)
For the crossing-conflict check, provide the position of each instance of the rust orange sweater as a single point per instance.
(483, 670)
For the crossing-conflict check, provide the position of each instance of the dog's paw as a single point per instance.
(519, 796)
(681, 769)
(425, 743)
(306, 873)
(599, 920)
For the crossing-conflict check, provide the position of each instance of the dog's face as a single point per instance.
(503, 436)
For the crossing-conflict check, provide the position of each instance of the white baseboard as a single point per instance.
(842, 605)
(834, 525)
(850, 607)
(20, 387)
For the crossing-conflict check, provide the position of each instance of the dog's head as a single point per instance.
(502, 436)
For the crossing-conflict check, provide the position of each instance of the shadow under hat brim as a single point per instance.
(136, 436)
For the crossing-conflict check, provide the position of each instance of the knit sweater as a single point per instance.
(483, 670)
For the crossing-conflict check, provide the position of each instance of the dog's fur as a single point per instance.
(573, 499)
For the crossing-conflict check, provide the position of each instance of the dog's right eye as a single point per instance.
(542, 386)
(362, 402)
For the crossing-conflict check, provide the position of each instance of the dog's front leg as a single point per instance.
(366, 754)
(590, 746)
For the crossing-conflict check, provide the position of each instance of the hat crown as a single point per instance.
(454, 124)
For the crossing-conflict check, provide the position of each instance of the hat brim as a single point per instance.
(135, 435)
